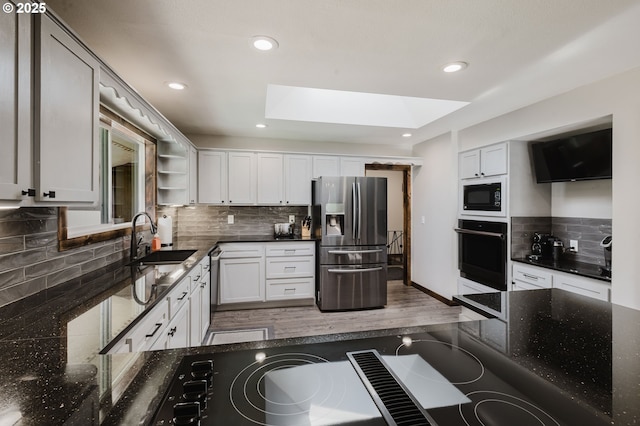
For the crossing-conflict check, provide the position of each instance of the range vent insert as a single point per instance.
(397, 405)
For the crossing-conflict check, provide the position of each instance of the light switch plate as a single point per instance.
(230, 219)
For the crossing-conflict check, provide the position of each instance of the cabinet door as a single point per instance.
(242, 280)
(15, 105)
(195, 339)
(193, 175)
(297, 169)
(177, 332)
(212, 177)
(242, 177)
(351, 166)
(66, 117)
(205, 305)
(324, 165)
(270, 178)
(493, 160)
(470, 164)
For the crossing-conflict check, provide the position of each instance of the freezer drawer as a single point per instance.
(353, 255)
(352, 287)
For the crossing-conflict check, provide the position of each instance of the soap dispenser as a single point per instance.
(156, 243)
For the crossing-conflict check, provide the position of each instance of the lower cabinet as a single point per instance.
(179, 321)
(526, 277)
(268, 272)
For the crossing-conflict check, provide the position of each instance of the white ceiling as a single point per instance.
(519, 52)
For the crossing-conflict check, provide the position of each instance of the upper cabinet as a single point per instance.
(270, 178)
(488, 161)
(212, 177)
(193, 175)
(15, 107)
(297, 179)
(66, 111)
(325, 165)
(351, 166)
(242, 183)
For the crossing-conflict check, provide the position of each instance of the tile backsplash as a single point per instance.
(588, 231)
(210, 221)
(29, 258)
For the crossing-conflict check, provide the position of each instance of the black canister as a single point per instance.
(558, 249)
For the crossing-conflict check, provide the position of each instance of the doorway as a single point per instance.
(398, 218)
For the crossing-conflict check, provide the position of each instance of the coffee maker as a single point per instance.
(542, 246)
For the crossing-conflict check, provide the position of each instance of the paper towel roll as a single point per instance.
(165, 231)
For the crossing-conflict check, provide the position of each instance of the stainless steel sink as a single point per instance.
(164, 257)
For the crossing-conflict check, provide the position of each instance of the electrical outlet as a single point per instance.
(292, 218)
(230, 219)
(573, 245)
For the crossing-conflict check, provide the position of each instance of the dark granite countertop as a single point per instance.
(588, 270)
(52, 372)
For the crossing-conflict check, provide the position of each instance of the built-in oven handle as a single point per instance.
(354, 271)
(354, 251)
(483, 233)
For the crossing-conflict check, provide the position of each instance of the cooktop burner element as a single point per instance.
(496, 408)
(300, 389)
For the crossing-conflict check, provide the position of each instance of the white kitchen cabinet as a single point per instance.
(270, 175)
(582, 285)
(173, 173)
(242, 183)
(326, 165)
(488, 161)
(297, 178)
(526, 277)
(241, 280)
(212, 177)
(66, 111)
(177, 332)
(290, 271)
(15, 105)
(199, 303)
(146, 334)
(351, 166)
(193, 175)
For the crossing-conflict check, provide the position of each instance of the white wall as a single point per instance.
(591, 199)
(434, 197)
(618, 96)
(224, 142)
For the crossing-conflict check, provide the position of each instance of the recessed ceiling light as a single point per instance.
(264, 43)
(176, 85)
(261, 125)
(455, 66)
(406, 135)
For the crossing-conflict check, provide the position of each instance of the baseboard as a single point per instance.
(434, 295)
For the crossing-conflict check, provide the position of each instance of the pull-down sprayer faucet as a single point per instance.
(133, 255)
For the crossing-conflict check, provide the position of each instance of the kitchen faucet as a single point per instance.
(133, 255)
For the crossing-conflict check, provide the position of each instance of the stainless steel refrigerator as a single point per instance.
(350, 223)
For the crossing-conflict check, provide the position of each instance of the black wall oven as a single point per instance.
(482, 252)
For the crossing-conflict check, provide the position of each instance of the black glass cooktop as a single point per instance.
(450, 372)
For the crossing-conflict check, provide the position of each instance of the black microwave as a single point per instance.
(484, 198)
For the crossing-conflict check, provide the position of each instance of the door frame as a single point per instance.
(406, 207)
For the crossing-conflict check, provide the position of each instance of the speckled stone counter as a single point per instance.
(52, 373)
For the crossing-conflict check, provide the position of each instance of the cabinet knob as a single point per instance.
(482, 174)
(50, 194)
(475, 174)
(29, 192)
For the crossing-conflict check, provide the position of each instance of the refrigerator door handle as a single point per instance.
(359, 210)
(354, 251)
(354, 211)
(354, 271)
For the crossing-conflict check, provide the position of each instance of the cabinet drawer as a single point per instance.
(525, 285)
(537, 277)
(290, 267)
(146, 332)
(179, 296)
(290, 289)
(290, 249)
(241, 250)
(584, 286)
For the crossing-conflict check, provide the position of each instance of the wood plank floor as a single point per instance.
(406, 306)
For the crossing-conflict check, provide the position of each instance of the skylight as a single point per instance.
(355, 108)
